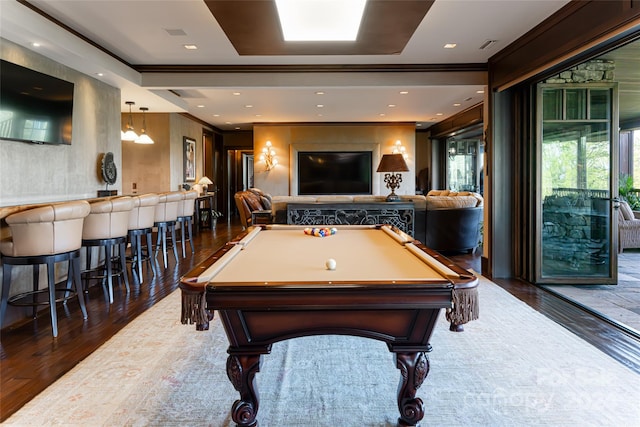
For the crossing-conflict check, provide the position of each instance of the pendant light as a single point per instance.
(129, 134)
(144, 138)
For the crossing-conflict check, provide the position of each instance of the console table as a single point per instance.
(398, 214)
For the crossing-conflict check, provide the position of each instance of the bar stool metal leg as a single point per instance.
(152, 260)
(6, 284)
(52, 296)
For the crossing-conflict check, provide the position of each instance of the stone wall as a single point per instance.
(596, 70)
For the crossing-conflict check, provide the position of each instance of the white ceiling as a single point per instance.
(136, 32)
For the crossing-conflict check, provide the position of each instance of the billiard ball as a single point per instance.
(330, 264)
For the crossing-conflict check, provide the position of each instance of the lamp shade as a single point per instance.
(392, 163)
(205, 181)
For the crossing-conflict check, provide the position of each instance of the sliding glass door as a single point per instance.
(577, 176)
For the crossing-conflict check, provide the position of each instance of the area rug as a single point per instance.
(511, 367)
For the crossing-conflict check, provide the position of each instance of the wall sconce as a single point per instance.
(399, 149)
(129, 134)
(143, 138)
(392, 163)
(205, 182)
(268, 156)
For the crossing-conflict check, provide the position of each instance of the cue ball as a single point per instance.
(331, 264)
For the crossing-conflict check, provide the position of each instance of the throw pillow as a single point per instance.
(627, 213)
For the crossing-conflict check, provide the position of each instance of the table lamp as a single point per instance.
(392, 164)
(205, 182)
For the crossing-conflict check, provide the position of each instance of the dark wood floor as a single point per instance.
(32, 360)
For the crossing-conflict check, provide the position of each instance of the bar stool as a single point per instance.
(45, 235)
(186, 210)
(141, 218)
(166, 215)
(106, 227)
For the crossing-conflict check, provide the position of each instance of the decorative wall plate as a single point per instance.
(109, 170)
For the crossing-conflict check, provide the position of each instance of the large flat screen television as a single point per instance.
(334, 172)
(34, 107)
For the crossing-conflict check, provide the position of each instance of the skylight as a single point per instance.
(320, 20)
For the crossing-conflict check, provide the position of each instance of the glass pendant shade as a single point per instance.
(144, 139)
(129, 135)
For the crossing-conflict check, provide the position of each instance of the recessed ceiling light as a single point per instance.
(100, 74)
(456, 104)
(480, 91)
(237, 128)
(227, 123)
(320, 20)
(439, 114)
(391, 105)
(216, 115)
(450, 45)
(319, 92)
(200, 106)
(236, 93)
(190, 46)
(404, 92)
(319, 105)
(418, 124)
(258, 115)
(381, 114)
(248, 106)
(35, 44)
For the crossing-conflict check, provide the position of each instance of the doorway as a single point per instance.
(239, 176)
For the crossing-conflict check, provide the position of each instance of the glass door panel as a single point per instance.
(575, 226)
(465, 162)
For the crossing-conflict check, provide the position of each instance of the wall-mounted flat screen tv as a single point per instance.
(34, 107)
(334, 172)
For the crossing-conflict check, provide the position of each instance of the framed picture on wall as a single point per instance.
(189, 164)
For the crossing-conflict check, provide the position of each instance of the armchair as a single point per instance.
(628, 227)
(453, 220)
(252, 203)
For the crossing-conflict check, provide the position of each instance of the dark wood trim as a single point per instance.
(309, 68)
(469, 117)
(575, 27)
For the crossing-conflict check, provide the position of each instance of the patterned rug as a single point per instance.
(511, 367)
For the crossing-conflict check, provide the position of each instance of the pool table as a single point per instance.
(273, 283)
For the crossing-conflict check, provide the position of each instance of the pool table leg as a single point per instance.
(414, 367)
(241, 370)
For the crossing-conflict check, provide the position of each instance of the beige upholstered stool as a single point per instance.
(45, 235)
(106, 227)
(166, 215)
(186, 210)
(141, 219)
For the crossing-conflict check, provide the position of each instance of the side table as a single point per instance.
(205, 206)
